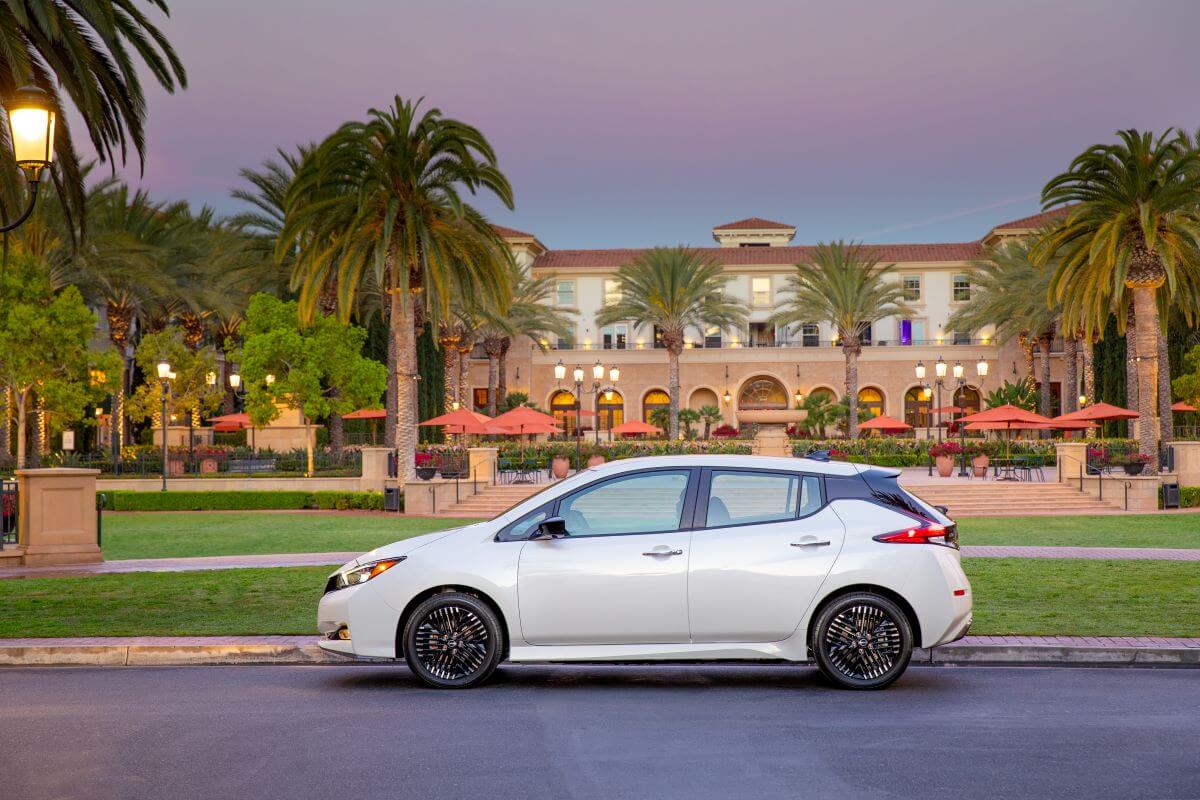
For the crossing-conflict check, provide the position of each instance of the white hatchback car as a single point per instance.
(668, 558)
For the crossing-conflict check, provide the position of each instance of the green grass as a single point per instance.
(1012, 596)
(162, 534)
(1143, 530)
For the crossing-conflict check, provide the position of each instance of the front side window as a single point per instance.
(740, 498)
(612, 291)
(650, 502)
(962, 288)
(565, 295)
(524, 527)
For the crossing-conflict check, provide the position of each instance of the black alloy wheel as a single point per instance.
(453, 641)
(862, 641)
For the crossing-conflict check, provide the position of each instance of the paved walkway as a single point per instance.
(335, 559)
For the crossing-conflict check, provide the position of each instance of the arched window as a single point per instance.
(654, 399)
(563, 407)
(870, 402)
(612, 410)
(825, 392)
(916, 407)
(703, 397)
(763, 392)
(967, 398)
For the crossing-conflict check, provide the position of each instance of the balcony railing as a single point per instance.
(740, 344)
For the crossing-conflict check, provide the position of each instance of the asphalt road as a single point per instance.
(597, 732)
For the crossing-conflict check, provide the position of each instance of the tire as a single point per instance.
(862, 641)
(453, 641)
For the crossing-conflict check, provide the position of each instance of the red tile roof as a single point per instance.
(512, 233)
(1035, 220)
(760, 256)
(753, 224)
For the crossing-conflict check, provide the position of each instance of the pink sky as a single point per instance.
(639, 123)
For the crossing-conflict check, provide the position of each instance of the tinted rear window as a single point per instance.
(873, 485)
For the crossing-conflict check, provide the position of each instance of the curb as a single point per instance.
(144, 655)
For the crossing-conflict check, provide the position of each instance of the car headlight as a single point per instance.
(362, 573)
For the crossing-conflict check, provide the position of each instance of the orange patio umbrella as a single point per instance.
(523, 419)
(635, 426)
(466, 421)
(1182, 406)
(1005, 418)
(1100, 412)
(366, 413)
(227, 423)
(885, 424)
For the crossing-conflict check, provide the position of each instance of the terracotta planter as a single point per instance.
(595, 461)
(945, 466)
(559, 467)
(208, 465)
(979, 466)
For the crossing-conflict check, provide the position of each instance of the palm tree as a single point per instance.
(529, 313)
(1136, 226)
(844, 285)
(671, 289)
(1010, 294)
(385, 199)
(85, 53)
(710, 415)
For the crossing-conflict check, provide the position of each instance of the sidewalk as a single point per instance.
(215, 650)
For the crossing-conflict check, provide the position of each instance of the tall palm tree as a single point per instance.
(528, 313)
(386, 198)
(674, 289)
(1009, 293)
(1136, 226)
(86, 54)
(845, 286)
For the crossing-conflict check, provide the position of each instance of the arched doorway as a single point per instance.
(968, 398)
(870, 402)
(563, 406)
(916, 407)
(762, 392)
(612, 410)
(654, 399)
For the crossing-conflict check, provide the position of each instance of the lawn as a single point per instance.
(171, 534)
(1142, 530)
(1028, 596)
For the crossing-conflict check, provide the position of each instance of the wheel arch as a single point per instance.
(421, 597)
(890, 594)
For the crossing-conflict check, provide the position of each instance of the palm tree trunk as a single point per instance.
(851, 354)
(1089, 376)
(1026, 344)
(1166, 420)
(6, 433)
(391, 417)
(1131, 368)
(1044, 343)
(493, 371)
(21, 397)
(1071, 376)
(449, 372)
(403, 330)
(672, 392)
(502, 378)
(337, 428)
(464, 372)
(1146, 334)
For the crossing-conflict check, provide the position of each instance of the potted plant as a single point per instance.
(979, 461)
(595, 460)
(559, 467)
(1135, 463)
(426, 468)
(943, 457)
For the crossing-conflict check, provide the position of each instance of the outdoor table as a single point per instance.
(1006, 469)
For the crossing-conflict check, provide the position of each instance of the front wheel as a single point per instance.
(453, 641)
(862, 641)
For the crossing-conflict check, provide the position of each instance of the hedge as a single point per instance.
(121, 500)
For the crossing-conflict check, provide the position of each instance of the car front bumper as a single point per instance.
(371, 623)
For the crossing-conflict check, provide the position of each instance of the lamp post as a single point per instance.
(927, 396)
(614, 375)
(164, 379)
(31, 119)
(235, 383)
(957, 372)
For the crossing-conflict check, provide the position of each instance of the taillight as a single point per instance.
(923, 532)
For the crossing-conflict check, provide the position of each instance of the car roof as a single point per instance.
(782, 463)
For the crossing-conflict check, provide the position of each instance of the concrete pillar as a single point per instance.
(58, 516)
(1187, 462)
(1071, 457)
(482, 463)
(374, 468)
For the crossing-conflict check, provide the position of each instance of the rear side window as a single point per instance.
(742, 498)
(873, 485)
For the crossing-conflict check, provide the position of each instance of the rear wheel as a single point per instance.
(862, 641)
(453, 641)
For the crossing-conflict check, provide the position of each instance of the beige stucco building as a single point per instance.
(762, 366)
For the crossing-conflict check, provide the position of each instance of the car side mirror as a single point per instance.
(551, 528)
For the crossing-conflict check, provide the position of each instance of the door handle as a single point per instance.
(663, 553)
(811, 544)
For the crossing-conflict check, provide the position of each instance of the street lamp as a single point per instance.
(31, 119)
(578, 374)
(164, 379)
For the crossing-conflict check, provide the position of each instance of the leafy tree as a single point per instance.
(844, 285)
(44, 338)
(710, 415)
(1135, 226)
(1187, 385)
(672, 289)
(190, 392)
(383, 200)
(318, 369)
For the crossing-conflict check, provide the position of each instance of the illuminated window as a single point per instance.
(612, 291)
(760, 291)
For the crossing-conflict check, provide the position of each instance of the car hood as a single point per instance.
(406, 546)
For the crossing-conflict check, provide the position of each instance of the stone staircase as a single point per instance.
(1016, 499)
(490, 500)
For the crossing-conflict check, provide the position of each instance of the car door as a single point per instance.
(620, 575)
(763, 544)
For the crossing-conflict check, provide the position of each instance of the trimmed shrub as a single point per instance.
(233, 500)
